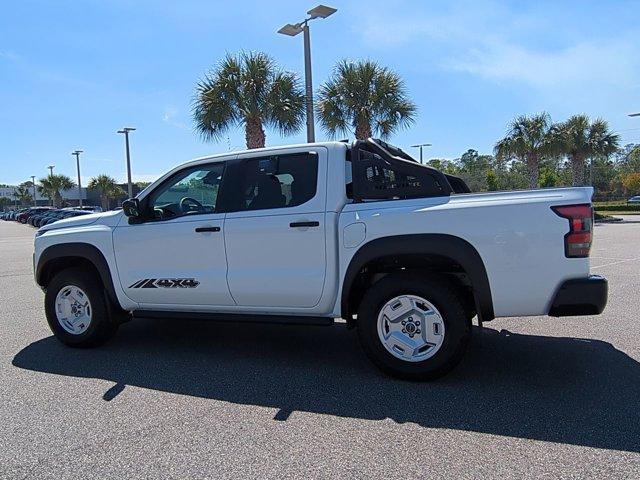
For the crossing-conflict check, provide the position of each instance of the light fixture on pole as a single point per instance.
(126, 131)
(634, 114)
(33, 183)
(321, 11)
(420, 145)
(77, 154)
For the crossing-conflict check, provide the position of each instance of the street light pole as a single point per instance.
(33, 183)
(311, 134)
(126, 131)
(634, 114)
(420, 145)
(77, 154)
(321, 11)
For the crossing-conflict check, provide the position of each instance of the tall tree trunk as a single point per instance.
(254, 133)
(533, 168)
(105, 202)
(363, 130)
(577, 170)
(57, 200)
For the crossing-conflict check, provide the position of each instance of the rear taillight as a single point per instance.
(577, 242)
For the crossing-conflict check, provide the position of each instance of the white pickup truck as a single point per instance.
(309, 233)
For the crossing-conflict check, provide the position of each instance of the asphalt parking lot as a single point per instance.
(535, 397)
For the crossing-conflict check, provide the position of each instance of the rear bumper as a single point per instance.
(580, 296)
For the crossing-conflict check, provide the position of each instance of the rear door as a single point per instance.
(275, 229)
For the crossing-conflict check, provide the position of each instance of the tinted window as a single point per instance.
(348, 176)
(277, 181)
(191, 191)
(379, 178)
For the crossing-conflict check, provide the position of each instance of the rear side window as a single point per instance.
(348, 177)
(279, 181)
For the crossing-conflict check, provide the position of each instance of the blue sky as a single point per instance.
(73, 72)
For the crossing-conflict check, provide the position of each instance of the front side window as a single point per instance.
(191, 191)
(278, 181)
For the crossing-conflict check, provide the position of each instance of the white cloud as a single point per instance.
(613, 63)
(169, 117)
(143, 177)
(10, 56)
(499, 45)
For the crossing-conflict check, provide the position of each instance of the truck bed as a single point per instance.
(518, 236)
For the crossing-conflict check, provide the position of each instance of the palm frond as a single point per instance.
(582, 138)
(53, 185)
(330, 109)
(285, 103)
(527, 135)
(245, 86)
(366, 93)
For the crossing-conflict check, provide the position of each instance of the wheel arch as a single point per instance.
(429, 245)
(65, 255)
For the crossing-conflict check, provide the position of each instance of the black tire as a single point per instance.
(438, 292)
(102, 326)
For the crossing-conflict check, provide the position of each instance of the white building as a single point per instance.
(70, 195)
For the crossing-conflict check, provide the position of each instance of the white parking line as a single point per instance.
(615, 263)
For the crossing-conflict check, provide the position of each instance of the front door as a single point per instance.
(275, 230)
(177, 257)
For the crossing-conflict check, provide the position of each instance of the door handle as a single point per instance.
(304, 224)
(207, 229)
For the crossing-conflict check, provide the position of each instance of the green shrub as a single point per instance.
(620, 207)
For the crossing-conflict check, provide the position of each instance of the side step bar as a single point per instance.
(234, 317)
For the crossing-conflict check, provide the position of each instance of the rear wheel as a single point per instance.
(78, 310)
(413, 328)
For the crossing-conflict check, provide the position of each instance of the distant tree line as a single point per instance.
(53, 186)
(613, 176)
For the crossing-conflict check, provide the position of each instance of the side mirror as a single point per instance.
(131, 208)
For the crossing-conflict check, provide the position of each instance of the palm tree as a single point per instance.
(248, 89)
(52, 186)
(529, 139)
(22, 193)
(108, 188)
(580, 139)
(364, 98)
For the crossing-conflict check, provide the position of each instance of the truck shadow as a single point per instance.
(567, 390)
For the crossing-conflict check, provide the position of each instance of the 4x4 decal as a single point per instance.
(166, 283)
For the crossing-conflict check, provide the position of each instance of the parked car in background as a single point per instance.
(88, 208)
(634, 199)
(36, 216)
(24, 216)
(37, 219)
(39, 216)
(12, 214)
(62, 215)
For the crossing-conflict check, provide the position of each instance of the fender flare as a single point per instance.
(85, 251)
(443, 245)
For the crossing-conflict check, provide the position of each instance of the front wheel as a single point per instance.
(413, 328)
(77, 309)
